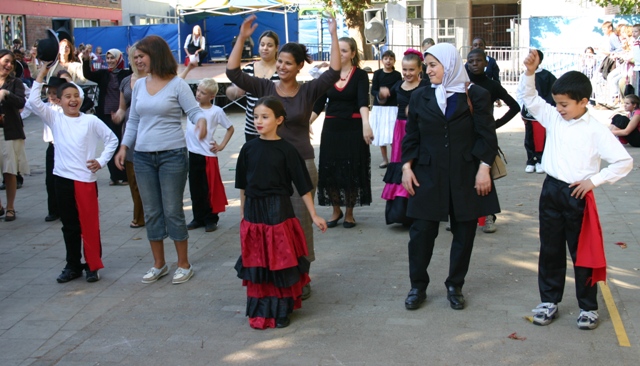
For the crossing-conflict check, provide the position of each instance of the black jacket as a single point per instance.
(101, 77)
(10, 107)
(446, 155)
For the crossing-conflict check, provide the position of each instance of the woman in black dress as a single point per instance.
(344, 174)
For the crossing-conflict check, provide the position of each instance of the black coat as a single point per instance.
(10, 107)
(446, 155)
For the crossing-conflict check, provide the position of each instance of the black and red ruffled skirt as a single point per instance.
(272, 266)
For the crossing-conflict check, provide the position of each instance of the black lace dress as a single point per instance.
(344, 172)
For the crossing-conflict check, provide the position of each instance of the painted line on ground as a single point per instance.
(618, 327)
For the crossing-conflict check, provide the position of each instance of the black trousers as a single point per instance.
(199, 188)
(560, 223)
(115, 173)
(422, 239)
(71, 231)
(52, 204)
(533, 157)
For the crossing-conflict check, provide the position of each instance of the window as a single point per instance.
(446, 29)
(12, 28)
(414, 11)
(85, 23)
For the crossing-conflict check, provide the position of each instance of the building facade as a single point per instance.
(28, 20)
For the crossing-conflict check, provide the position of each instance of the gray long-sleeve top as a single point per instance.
(155, 120)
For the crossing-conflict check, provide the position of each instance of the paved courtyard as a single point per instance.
(356, 314)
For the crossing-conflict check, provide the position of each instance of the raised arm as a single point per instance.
(246, 30)
(334, 61)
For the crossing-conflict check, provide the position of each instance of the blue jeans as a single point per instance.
(162, 176)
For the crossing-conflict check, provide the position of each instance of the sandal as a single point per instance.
(383, 165)
(135, 226)
(12, 217)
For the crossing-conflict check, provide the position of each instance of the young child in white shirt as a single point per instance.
(207, 191)
(76, 137)
(575, 144)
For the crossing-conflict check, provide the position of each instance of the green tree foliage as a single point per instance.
(626, 6)
(353, 13)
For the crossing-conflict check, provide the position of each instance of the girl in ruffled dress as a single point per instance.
(272, 266)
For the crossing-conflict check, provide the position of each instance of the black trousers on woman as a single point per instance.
(560, 224)
(115, 173)
(422, 237)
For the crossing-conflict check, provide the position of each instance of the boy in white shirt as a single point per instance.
(575, 143)
(207, 191)
(76, 137)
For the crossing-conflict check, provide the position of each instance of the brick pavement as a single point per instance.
(356, 315)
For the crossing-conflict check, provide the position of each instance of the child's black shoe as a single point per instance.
(68, 274)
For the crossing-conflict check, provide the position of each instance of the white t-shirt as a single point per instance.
(215, 116)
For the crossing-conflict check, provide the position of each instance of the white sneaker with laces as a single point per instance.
(539, 169)
(154, 274)
(545, 313)
(182, 275)
(588, 320)
(529, 169)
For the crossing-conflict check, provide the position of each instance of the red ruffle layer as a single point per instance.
(274, 247)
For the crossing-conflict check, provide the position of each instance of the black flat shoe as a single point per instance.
(334, 223)
(68, 274)
(348, 225)
(455, 297)
(283, 322)
(210, 227)
(415, 298)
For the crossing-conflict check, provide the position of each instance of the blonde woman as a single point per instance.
(195, 45)
(120, 117)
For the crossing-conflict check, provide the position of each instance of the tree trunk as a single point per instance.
(366, 50)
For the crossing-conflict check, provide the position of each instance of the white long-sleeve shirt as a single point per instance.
(573, 149)
(76, 139)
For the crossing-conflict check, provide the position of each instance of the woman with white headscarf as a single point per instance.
(446, 155)
(109, 99)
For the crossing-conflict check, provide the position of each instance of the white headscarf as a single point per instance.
(455, 76)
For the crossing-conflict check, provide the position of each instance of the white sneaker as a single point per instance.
(588, 320)
(539, 169)
(182, 275)
(545, 313)
(154, 274)
(529, 169)
(489, 225)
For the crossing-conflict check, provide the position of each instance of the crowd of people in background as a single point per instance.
(436, 115)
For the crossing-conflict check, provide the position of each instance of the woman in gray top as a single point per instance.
(160, 155)
(298, 100)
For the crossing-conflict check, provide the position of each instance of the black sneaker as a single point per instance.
(51, 217)
(212, 226)
(68, 274)
(92, 276)
(194, 224)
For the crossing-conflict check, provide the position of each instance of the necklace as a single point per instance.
(268, 71)
(288, 94)
(346, 77)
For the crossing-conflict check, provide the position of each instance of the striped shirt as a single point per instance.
(249, 127)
